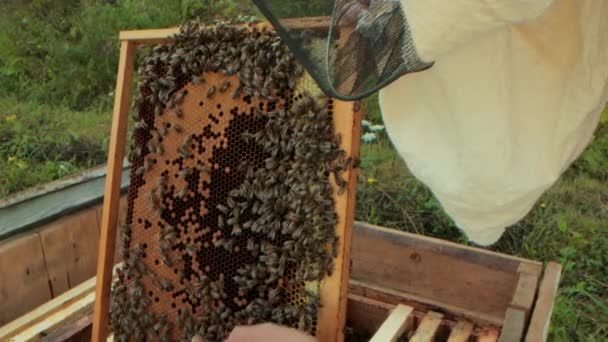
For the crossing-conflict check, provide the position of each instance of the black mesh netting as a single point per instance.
(350, 47)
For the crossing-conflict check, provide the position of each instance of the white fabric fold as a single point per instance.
(514, 97)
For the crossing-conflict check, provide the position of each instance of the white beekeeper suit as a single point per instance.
(513, 98)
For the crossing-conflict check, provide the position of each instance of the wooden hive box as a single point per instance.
(428, 288)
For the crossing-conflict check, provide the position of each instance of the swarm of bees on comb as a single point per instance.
(231, 215)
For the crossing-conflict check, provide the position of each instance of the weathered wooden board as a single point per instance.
(488, 335)
(60, 313)
(387, 295)
(538, 329)
(461, 332)
(428, 328)
(514, 325)
(527, 283)
(23, 277)
(70, 250)
(398, 322)
(480, 281)
(78, 330)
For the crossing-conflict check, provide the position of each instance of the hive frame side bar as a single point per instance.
(111, 200)
(335, 287)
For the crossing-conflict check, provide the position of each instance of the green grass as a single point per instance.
(42, 143)
(569, 224)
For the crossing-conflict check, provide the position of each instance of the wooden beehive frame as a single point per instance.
(334, 288)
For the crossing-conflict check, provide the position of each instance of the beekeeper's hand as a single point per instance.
(266, 332)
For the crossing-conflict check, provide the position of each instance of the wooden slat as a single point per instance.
(414, 265)
(513, 328)
(461, 332)
(58, 254)
(70, 250)
(122, 215)
(75, 331)
(428, 328)
(98, 209)
(488, 335)
(523, 297)
(334, 289)
(150, 36)
(48, 309)
(24, 281)
(56, 319)
(159, 36)
(109, 220)
(397, 323)
(84, 240)
(387, 295)
(541, 316)
(34, 321)
(365, 314)
(474, 255)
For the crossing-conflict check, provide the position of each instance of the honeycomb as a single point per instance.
(231, 215)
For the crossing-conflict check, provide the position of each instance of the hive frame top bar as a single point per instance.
(151, 36)
(159, 36)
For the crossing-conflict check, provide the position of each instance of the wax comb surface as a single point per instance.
(236, 169)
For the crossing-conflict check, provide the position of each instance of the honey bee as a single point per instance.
(225, 85)
(140, 125)
(210, 91)
(182, 192)
(185, 172)
(198, 80)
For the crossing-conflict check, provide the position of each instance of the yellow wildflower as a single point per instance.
(10, 118)
(371, 180)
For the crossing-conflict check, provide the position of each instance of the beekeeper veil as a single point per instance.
(351, 48)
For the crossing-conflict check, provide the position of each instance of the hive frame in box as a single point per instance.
(332, 317)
